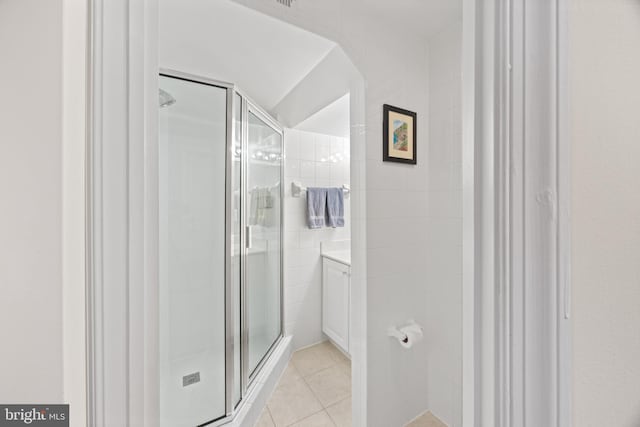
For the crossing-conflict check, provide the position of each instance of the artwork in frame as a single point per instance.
(399, 135)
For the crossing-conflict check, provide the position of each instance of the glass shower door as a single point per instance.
(263, 238)
(192, 152)
(220, 217)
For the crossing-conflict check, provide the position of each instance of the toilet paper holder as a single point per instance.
(395, 331)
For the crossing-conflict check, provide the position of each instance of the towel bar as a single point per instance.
(297, 189)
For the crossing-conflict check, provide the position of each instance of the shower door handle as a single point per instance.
(249, 242)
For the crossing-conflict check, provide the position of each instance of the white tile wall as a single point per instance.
(444, 273)
(314, 160)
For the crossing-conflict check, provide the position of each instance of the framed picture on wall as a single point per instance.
(399, 135)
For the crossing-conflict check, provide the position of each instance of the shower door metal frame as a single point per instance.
(248, 105)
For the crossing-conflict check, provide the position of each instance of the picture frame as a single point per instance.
(399, 135)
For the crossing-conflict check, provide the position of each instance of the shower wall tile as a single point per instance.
(304, 274)
(292, 148)
(309, 239)
(299, 257)
(292, 167)
(314, 160)
(291, 239)
(307, 146)
(323, 148)
(323, 171)
(308, 170)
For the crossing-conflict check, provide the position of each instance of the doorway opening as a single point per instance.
(309, 96)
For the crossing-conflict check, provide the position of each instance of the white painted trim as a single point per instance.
(485, 214)
(565, 355)
(358, 194)
(479, 102)
(74, 105)
(532, 218)
(520, 265)
(504, 217)
(123, 383)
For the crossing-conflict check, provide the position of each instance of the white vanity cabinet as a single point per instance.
(336, 300)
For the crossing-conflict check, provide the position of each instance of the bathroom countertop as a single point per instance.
(343, 257)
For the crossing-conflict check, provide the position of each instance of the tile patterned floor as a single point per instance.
(427, 420)
(314, 391)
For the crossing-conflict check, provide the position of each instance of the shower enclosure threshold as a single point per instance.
(250, 408)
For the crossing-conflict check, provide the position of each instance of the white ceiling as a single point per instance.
(412, 18)
(267, 57)
(222, 40)
(331, 120)
(420, 17)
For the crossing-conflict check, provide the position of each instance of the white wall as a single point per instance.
(444, 244)
(31, 201)
(307, 161)
(330, 80)
(605, 143)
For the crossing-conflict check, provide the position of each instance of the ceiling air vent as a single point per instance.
(285, 2)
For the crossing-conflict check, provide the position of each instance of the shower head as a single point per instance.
(165, 99)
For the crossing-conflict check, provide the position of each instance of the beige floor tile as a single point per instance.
(340, 412)
(292, 402)
(313, 359)
(321, 419)
(345, 367)
(265, 419)
(427, 420)
(330, 385)
(290, 374)
(335, 353)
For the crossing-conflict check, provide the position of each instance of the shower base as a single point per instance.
(252, 406)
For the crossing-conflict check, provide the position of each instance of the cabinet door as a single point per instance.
(335, 302)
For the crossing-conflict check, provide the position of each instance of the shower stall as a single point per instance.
(221, 170)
